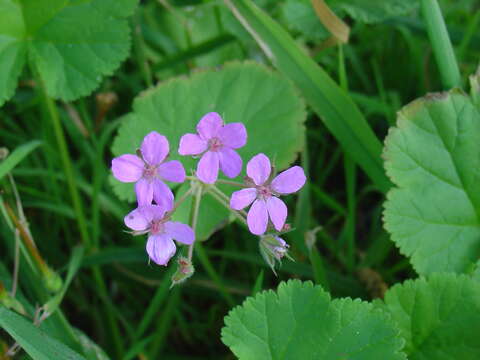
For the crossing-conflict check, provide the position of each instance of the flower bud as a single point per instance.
(273, 248)
(184, 271)
(53, 281)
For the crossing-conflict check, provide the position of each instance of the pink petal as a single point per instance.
(153, 212)
(160, 249)
(277, 211)
(162, 195)
(172, 171)
(209, 125)
(154, 148)
(192, 144)
(259, 168)
(180, 232)
(136, 220)
(127, 168)
(144, 191)
(230, 162)
(242, 198)
(207, 169)
(289, 181)
(257, 217)
(233, 135)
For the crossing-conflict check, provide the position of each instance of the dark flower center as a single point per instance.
(264, 191)
(214, 144)
(156, 227)
(149, 172)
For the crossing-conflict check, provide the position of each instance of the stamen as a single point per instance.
(214, 144)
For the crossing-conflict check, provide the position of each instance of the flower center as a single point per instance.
(214, 144)
(149, 172)
(156, 227)
(264, 191)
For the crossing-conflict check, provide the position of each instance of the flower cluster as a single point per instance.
(215, 143)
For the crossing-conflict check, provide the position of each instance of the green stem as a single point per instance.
(350, 176)
(139, 46)
(194, 216)
(441, 44)
(99, 176)
(240, 215)
(234, 183)
(68, 168)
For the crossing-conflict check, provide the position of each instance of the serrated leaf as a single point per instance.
(264, 101)
(71, 44)
(300, 321)
(433, 156)
(34, 341)
(438, 317)
(370, 12)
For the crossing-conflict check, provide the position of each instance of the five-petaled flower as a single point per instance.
(151, 219)
(264, 194)
(216, 141)
(149, 171)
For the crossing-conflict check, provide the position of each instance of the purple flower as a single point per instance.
(151, 219)
(216, 142)
(264, 194)
(150, 171)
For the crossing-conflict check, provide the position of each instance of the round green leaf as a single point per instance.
(433, 156)
(300, 321)
(264, 101)
(438, 317)
(71, 44)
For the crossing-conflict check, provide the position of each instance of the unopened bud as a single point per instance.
(184, 271)
(311, 237)
(53, 281)
(273, 249)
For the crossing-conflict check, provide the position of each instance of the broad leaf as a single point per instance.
(71, 44)
(265, 102)
(433, 156)
(300, 321)
(438, 317)
(34, 341)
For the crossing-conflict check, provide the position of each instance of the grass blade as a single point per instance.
(34, 341)
(16, 156)
(331, 103)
